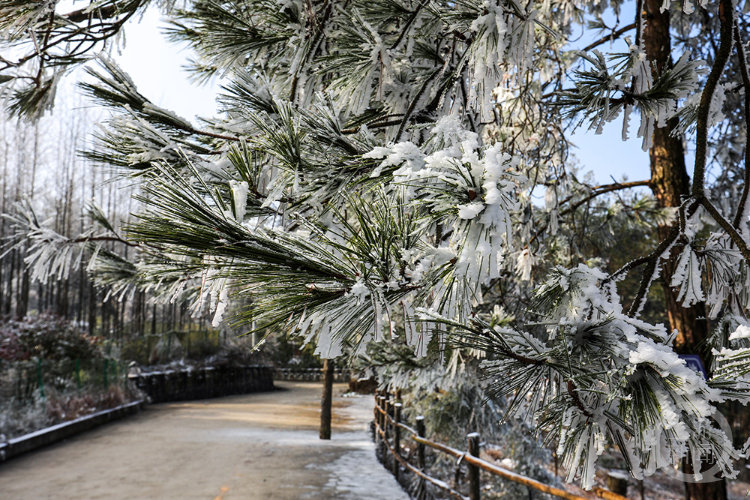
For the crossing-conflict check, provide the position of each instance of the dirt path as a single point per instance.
(258, 446)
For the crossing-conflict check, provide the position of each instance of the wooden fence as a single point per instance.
(204, 383)
(309, 374)
(388, 427)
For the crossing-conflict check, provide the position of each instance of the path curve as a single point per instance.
(257, 446)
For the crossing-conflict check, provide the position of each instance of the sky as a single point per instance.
(156, 67)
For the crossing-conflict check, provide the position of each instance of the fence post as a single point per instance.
(474, 490)
(326, 400)
(381, 419)
(377, 415)
(387, 409)
(396, 438)
(78, 374)
(422, 487)
(39, 376)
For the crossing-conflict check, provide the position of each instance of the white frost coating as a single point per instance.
(626, 122)
(687, 276)
(525, 264)
(742, 332)
(470, 210)
(477, 189)
(715, 112)
(401, 153)
(239, 193)
(327, 347)
(639, 354)
(220, 307)
(360, 291)
(550, 197)
(378, 153)
(687, 6)
(451, 131)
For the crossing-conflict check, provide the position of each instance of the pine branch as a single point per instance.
(726, 16)
(746, 83)
(597, 191)
(686, 211)
(103, 12)
(734, 235)
(409, 22)
(95, 239)
(119, 91)
(609, 38)
(413, 105)
(638, 22)
(573, 392)
(627, 268)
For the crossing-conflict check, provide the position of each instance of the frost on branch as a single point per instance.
(466, 191)
(600, 376)
(687, 276)
(602, 91)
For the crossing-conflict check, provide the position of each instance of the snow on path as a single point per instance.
(258, 446)
(357, 474)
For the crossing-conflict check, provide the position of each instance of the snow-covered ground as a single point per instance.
(259, 446)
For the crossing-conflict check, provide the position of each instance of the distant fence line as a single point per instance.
(310, 374)
(23, 380)
(204, 383)
(156, 348)
(388, 427)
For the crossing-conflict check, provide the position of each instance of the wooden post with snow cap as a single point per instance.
(474, 490)
(396, 437)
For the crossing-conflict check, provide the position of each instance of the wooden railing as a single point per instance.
(309, 374)
(388, 427)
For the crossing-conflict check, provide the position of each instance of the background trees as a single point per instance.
(47, 188)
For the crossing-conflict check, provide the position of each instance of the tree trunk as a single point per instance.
(23, 296)
(92, 309)
(81, 288)
(153, 321)
(9, 291)
(327, 400)
(670, 183)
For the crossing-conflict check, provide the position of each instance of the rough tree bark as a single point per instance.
(670, 183)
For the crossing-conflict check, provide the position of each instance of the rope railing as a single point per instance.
(384, 420)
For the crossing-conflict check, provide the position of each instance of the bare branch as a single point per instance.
(655, 257)
(598, 190)
(627, 268)
(609, 38)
